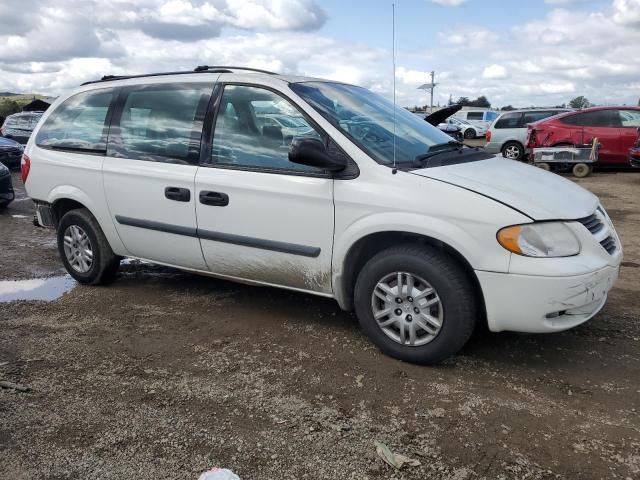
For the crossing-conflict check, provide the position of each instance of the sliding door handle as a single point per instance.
(177, 194)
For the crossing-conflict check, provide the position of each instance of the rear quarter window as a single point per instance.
(78, 123)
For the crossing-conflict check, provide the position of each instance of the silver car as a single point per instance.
(508, 134)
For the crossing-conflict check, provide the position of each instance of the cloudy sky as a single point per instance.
(533, 52)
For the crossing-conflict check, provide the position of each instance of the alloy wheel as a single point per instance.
(512, 152)
(77, 249)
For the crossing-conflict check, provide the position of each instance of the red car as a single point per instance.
(615, 127)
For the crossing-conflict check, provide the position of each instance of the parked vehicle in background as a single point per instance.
(20, 125)
(616, 129)
(634, 153)
(10, 152)
(6, 187)
(483, 118)
(440, 118)
(422, 236)
(468, 130)
(508, 134)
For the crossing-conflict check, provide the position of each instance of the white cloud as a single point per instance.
(627, 12)
(449, 3)
(50, 46)
(494, 71)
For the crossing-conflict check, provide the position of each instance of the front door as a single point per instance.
(630, 125)
(261, 217)
(150, 168)
(603, 125)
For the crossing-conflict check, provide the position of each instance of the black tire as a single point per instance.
(513, 151)
(453, 287)
(581, 170)
(105, 263)
(544, 166)
(469, 133)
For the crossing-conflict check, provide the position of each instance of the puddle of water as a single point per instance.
(47, 289)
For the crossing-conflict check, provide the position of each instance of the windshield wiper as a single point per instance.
(453, 146)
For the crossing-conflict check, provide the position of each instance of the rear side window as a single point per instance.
(475, 115)
(509, 120)
(491, 116)
(161, 123)
(78, 124)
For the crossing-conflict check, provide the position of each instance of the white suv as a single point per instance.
(422, 237)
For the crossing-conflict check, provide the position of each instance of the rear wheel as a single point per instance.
(543, 166)
(513, 151)
(469, 133)
(581, 170)
(84, 250)
(415, 303)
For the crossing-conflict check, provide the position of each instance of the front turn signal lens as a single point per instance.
(508, 238)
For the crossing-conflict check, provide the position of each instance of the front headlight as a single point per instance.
(545, 239)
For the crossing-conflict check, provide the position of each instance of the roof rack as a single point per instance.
(198, 69)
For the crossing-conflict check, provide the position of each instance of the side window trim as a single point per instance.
(352, 171)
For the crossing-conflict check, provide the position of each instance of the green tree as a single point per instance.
(507, 108)
(481, 101)
(464, 101)
(8, 107)
(580, 102)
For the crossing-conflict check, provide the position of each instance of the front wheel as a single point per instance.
(84, 250)
(415, 303)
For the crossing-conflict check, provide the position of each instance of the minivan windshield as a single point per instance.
(367, 119)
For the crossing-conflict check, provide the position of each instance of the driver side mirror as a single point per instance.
(312, 152)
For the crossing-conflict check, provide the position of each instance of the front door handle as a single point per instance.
(178, 194)
(215, 199)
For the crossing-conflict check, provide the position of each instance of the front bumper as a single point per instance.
(539, 304)
(634, 157)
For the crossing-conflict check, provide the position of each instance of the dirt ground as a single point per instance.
(162, 375)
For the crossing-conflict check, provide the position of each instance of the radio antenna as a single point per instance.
(393, 55)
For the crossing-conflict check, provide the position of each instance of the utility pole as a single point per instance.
(430, 87)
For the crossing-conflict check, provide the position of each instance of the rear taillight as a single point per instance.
(25, 166)
(487, 136)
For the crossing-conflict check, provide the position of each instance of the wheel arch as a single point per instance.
(65, 198)
(371, 244)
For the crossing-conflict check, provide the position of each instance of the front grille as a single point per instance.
(593, 223)
(598, 225)
(609, 244)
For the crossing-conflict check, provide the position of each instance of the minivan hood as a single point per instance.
(538, 194)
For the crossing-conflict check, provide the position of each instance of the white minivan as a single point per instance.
(482, 118)
(423, 237)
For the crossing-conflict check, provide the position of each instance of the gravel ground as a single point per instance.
(165, 374)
